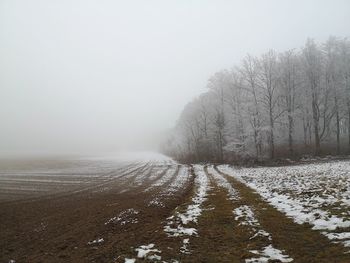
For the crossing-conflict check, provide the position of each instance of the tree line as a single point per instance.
(274, 105)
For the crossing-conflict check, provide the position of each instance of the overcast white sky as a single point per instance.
(95, 76)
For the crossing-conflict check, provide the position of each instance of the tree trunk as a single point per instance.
(317, 139)
(256, 138)
(349, 125)
(316, 128)
(305, 132)
(272, 143)
(290, 133)
(221, 154)
(257, 147)
(337, 124)
(310, 133)
(347, 87)
(305, 136)
(338, 133)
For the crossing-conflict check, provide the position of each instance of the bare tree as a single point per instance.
(333, 80)
(249, 73)
(268, 78)
(235, 100)
(218, 84)
(289, 80)
(344, 68)
(312, 58)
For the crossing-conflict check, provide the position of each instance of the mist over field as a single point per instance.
(91, 77)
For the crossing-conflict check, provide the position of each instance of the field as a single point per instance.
(155, 210)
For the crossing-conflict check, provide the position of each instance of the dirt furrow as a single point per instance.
(149, 179)
(93, 187)
(160, 183)
(59, 230)
(150, 228)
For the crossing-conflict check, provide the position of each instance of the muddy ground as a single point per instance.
(101, 212)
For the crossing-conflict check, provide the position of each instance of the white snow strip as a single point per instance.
(269, 253)
(222, 182)
(246, 213)
(175, 227)
(180, 231)
(337, 236)
(96, 241)
(261, 233)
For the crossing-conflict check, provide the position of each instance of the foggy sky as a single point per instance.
(99, 76)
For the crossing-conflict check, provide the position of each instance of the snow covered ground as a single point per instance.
(317, 194)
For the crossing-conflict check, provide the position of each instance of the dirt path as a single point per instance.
(216, 241)
(301, 242)
(222, 237)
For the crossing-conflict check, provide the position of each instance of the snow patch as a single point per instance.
(269, 253)
(184, 249)
(246, 215)
(143, 251)
(124, 217)
(175, 227)
(96, 241)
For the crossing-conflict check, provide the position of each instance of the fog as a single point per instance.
(94, 77)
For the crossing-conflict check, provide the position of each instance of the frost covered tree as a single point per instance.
(249, 73)
(269, 106)
(344, 68)
(218, 85)
(313, 70)
(270, 97)
(235, 100)
(289, 84)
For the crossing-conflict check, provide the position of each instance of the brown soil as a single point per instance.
(58, 227)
